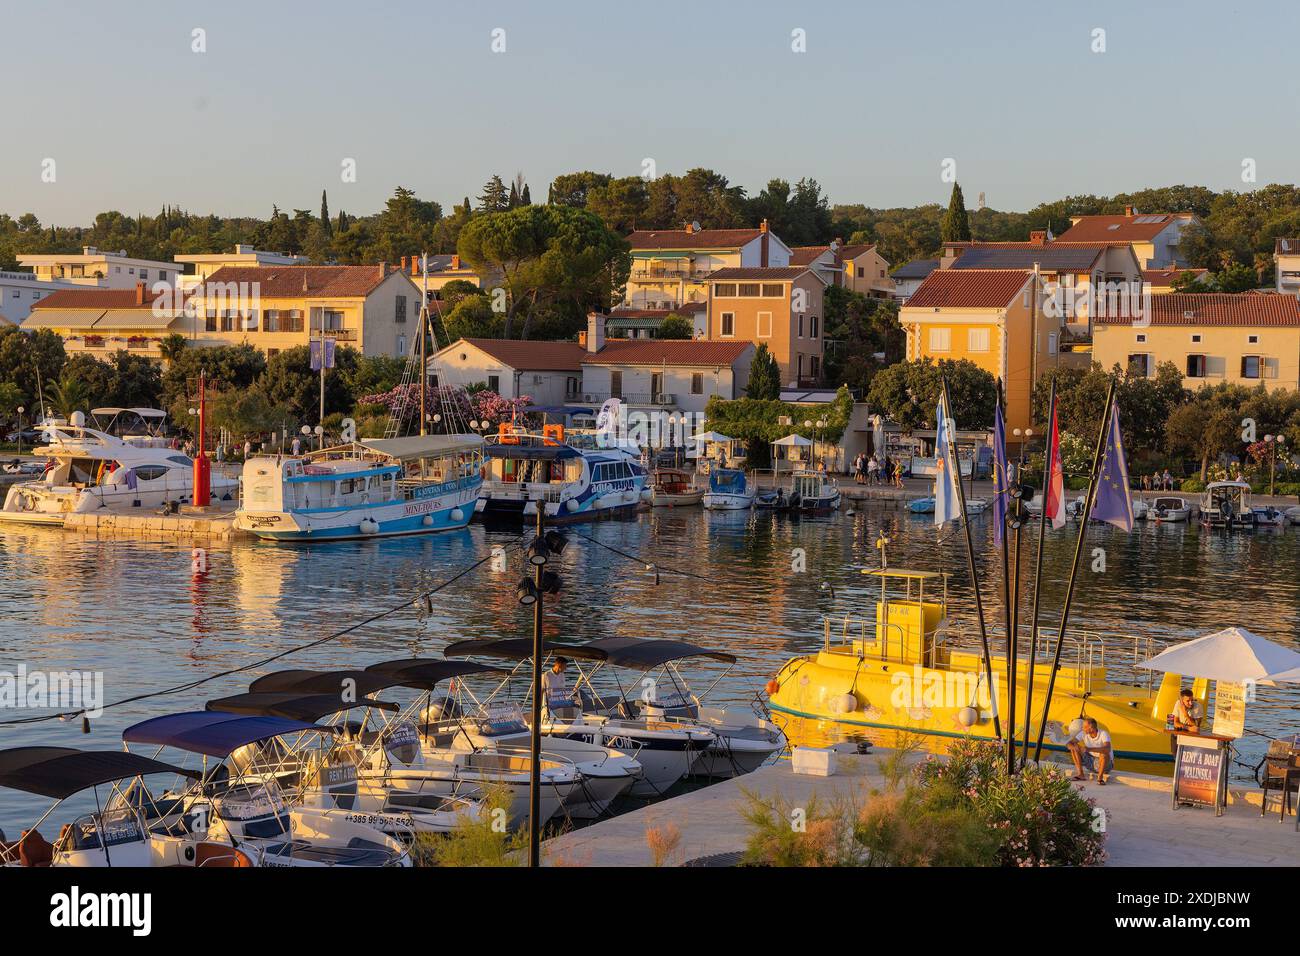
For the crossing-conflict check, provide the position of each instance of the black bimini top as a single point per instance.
(308, 707)
(354, 681)
(520, 648)
(214, 734)
(425, 674)
(648, 652)
(59, 772)
(532, 452)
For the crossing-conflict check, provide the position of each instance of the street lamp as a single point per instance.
(320, 436)
(1273, 442)
(20, 428)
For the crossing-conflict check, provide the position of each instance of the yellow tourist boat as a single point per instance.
(910, 671)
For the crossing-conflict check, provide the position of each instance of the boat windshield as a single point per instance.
(727, 480)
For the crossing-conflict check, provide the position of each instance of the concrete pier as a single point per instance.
(1142, 829)
(215, 523)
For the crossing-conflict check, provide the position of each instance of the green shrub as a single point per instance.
(480, 840)
(781, 834)
(1192, 485)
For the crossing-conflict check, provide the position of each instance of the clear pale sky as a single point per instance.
(413, 92)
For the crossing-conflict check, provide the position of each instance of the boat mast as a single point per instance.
(424, 317)
(1038, 573)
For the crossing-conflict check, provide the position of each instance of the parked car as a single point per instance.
(28, 436)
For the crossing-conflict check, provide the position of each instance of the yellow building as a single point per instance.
(990, 317)
(671, 267)
(373, 309)
(103, 321)
(1245, 339)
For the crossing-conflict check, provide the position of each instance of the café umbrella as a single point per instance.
(1233, 654)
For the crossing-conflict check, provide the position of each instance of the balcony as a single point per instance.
(656, 399)
(341, 335)
(656, 275)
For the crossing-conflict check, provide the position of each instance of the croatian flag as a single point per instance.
(1000, 483)
(947, 503)
(1112, 503)
(1054, 494)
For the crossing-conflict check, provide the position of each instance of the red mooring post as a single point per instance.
(202, 479)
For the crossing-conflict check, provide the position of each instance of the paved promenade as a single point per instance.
(1142, 828)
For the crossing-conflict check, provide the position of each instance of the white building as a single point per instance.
(205, 264)
(550, 373)
(19, 291)
(104, 270)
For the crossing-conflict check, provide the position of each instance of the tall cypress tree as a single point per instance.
(764, 375)
(325, 214)
(527, 197)
(956, 224)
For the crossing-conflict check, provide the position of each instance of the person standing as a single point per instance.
(297, 445)
(1169, 481)
(873, 469)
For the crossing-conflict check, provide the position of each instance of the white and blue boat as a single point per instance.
(525, 471)
(729, 490)
(370, 488)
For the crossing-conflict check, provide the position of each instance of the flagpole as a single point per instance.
(970, 554)
(1038, 570)
(1074, 566)
(1000, 501)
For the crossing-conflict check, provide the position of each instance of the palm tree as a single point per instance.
(171, 347)
(68, 395)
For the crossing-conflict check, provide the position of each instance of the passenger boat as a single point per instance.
(1168, 508)
(674, 488)
(907, 669)
(729, 490)
(372, 487)
(1226, 504)
(92, 470)
(526, 470)
(814, 492)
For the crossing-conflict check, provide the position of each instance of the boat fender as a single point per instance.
(773, 686)
(844, 703)
(646, 494)
(427, 521)
(456, 515)
(368, 526)
(571, 505)
(968, 716)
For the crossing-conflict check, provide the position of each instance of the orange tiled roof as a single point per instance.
(699, 352)
(93, 298)
(852, 252)
(968, 289)
(533, 356)
(294, 282)
(1218, 308)
(699, 239)
(1135, 228)
(804, 255)
(1164, 277)
(768, 273)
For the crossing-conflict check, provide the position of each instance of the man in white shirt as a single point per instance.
(555, 689)
(1092, 746)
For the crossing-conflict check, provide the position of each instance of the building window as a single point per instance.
(813, 329)
(697, 383)
(494, 384)
(293, 322)
(1252, 340)
(1196, 338)
(800, 375)
(748, 290)
(1196, 366)
(144, 274)
(801, 326)
(615, 384)
(401, 345)
(1141, 337)
(814, 366)
(977, 340)
(940, 340)
(272, 323)
(725, 290)
(250, 321)
(773, 290)
(728, 324)
(400, 315)
(765, 325)
(861, 272)
(1139, 363)
(570, 386)
(1250, 366)
(210, 321)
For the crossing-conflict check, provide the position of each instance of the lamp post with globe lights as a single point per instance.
(20, 428)
(1274, 442)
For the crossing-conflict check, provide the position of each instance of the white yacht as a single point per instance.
(89, 469)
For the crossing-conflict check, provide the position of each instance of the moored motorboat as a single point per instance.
(674, 488)
(1226, 505)
(729, 490)
(814, 492)
(1169, 508)
(921, 506)
(1269, 517)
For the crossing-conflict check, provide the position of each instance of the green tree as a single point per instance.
(956, 223)
(171, 347)
(69, 394)
(29, 359)
(571, 189)
(908, 393)
(495, 197)
(764, 375)
(676, 326)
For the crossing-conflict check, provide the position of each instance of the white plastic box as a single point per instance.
(813, 761)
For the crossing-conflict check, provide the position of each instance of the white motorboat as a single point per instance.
(25, 466)
(373, 487)
(1293, 514)
(1226, 504)
(1269, 517)
(729, 490)
(1141, 509)
(93, 469)
(674, 488)
(814, 492)
(1168, 508)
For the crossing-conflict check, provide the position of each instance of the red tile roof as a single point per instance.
(1164, 277)
(1135, 228)
(93, 298)
(968, 289)
(804, 255)
(852, 252)
(769, 274)
(532, 356)
(699, 239)
(667, 352)
(294, 282)
(1218, 308)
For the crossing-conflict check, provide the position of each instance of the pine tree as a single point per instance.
(764, 375)
(325, 214)
(495, 196)
(956, 224)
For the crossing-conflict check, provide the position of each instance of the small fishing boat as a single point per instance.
(921, 506)
(673, 488)
(814, 492)
(1169, 508)
(729, 490)
(1141, 509)
(372, 487)
(776, 500)
(1293, 514)
(1226, 504)
(1269, 517)
(976, 506)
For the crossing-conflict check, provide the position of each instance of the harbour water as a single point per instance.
(137, 611)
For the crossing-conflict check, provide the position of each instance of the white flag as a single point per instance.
(947, 500)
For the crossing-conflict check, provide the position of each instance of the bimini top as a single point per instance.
(421, 446)
(308, 707)
(211, 733)
(519, 648)
(648, 652)
(355, 682)
(424, 674)
(727, 479)
(59, 772)
(533, 452)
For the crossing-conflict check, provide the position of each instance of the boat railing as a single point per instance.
(533, 491)
(853, 628)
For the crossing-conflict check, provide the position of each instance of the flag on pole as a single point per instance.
(1054, 493)
(947, 501)
(315, 346)
(1112, 502)
(1001, 484)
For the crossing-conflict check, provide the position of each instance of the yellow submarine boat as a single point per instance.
(910, 672)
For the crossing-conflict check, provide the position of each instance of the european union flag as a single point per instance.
(1000, 483)
(1112, 503)
(947, 503)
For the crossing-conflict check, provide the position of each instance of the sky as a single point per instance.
(881, 94)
